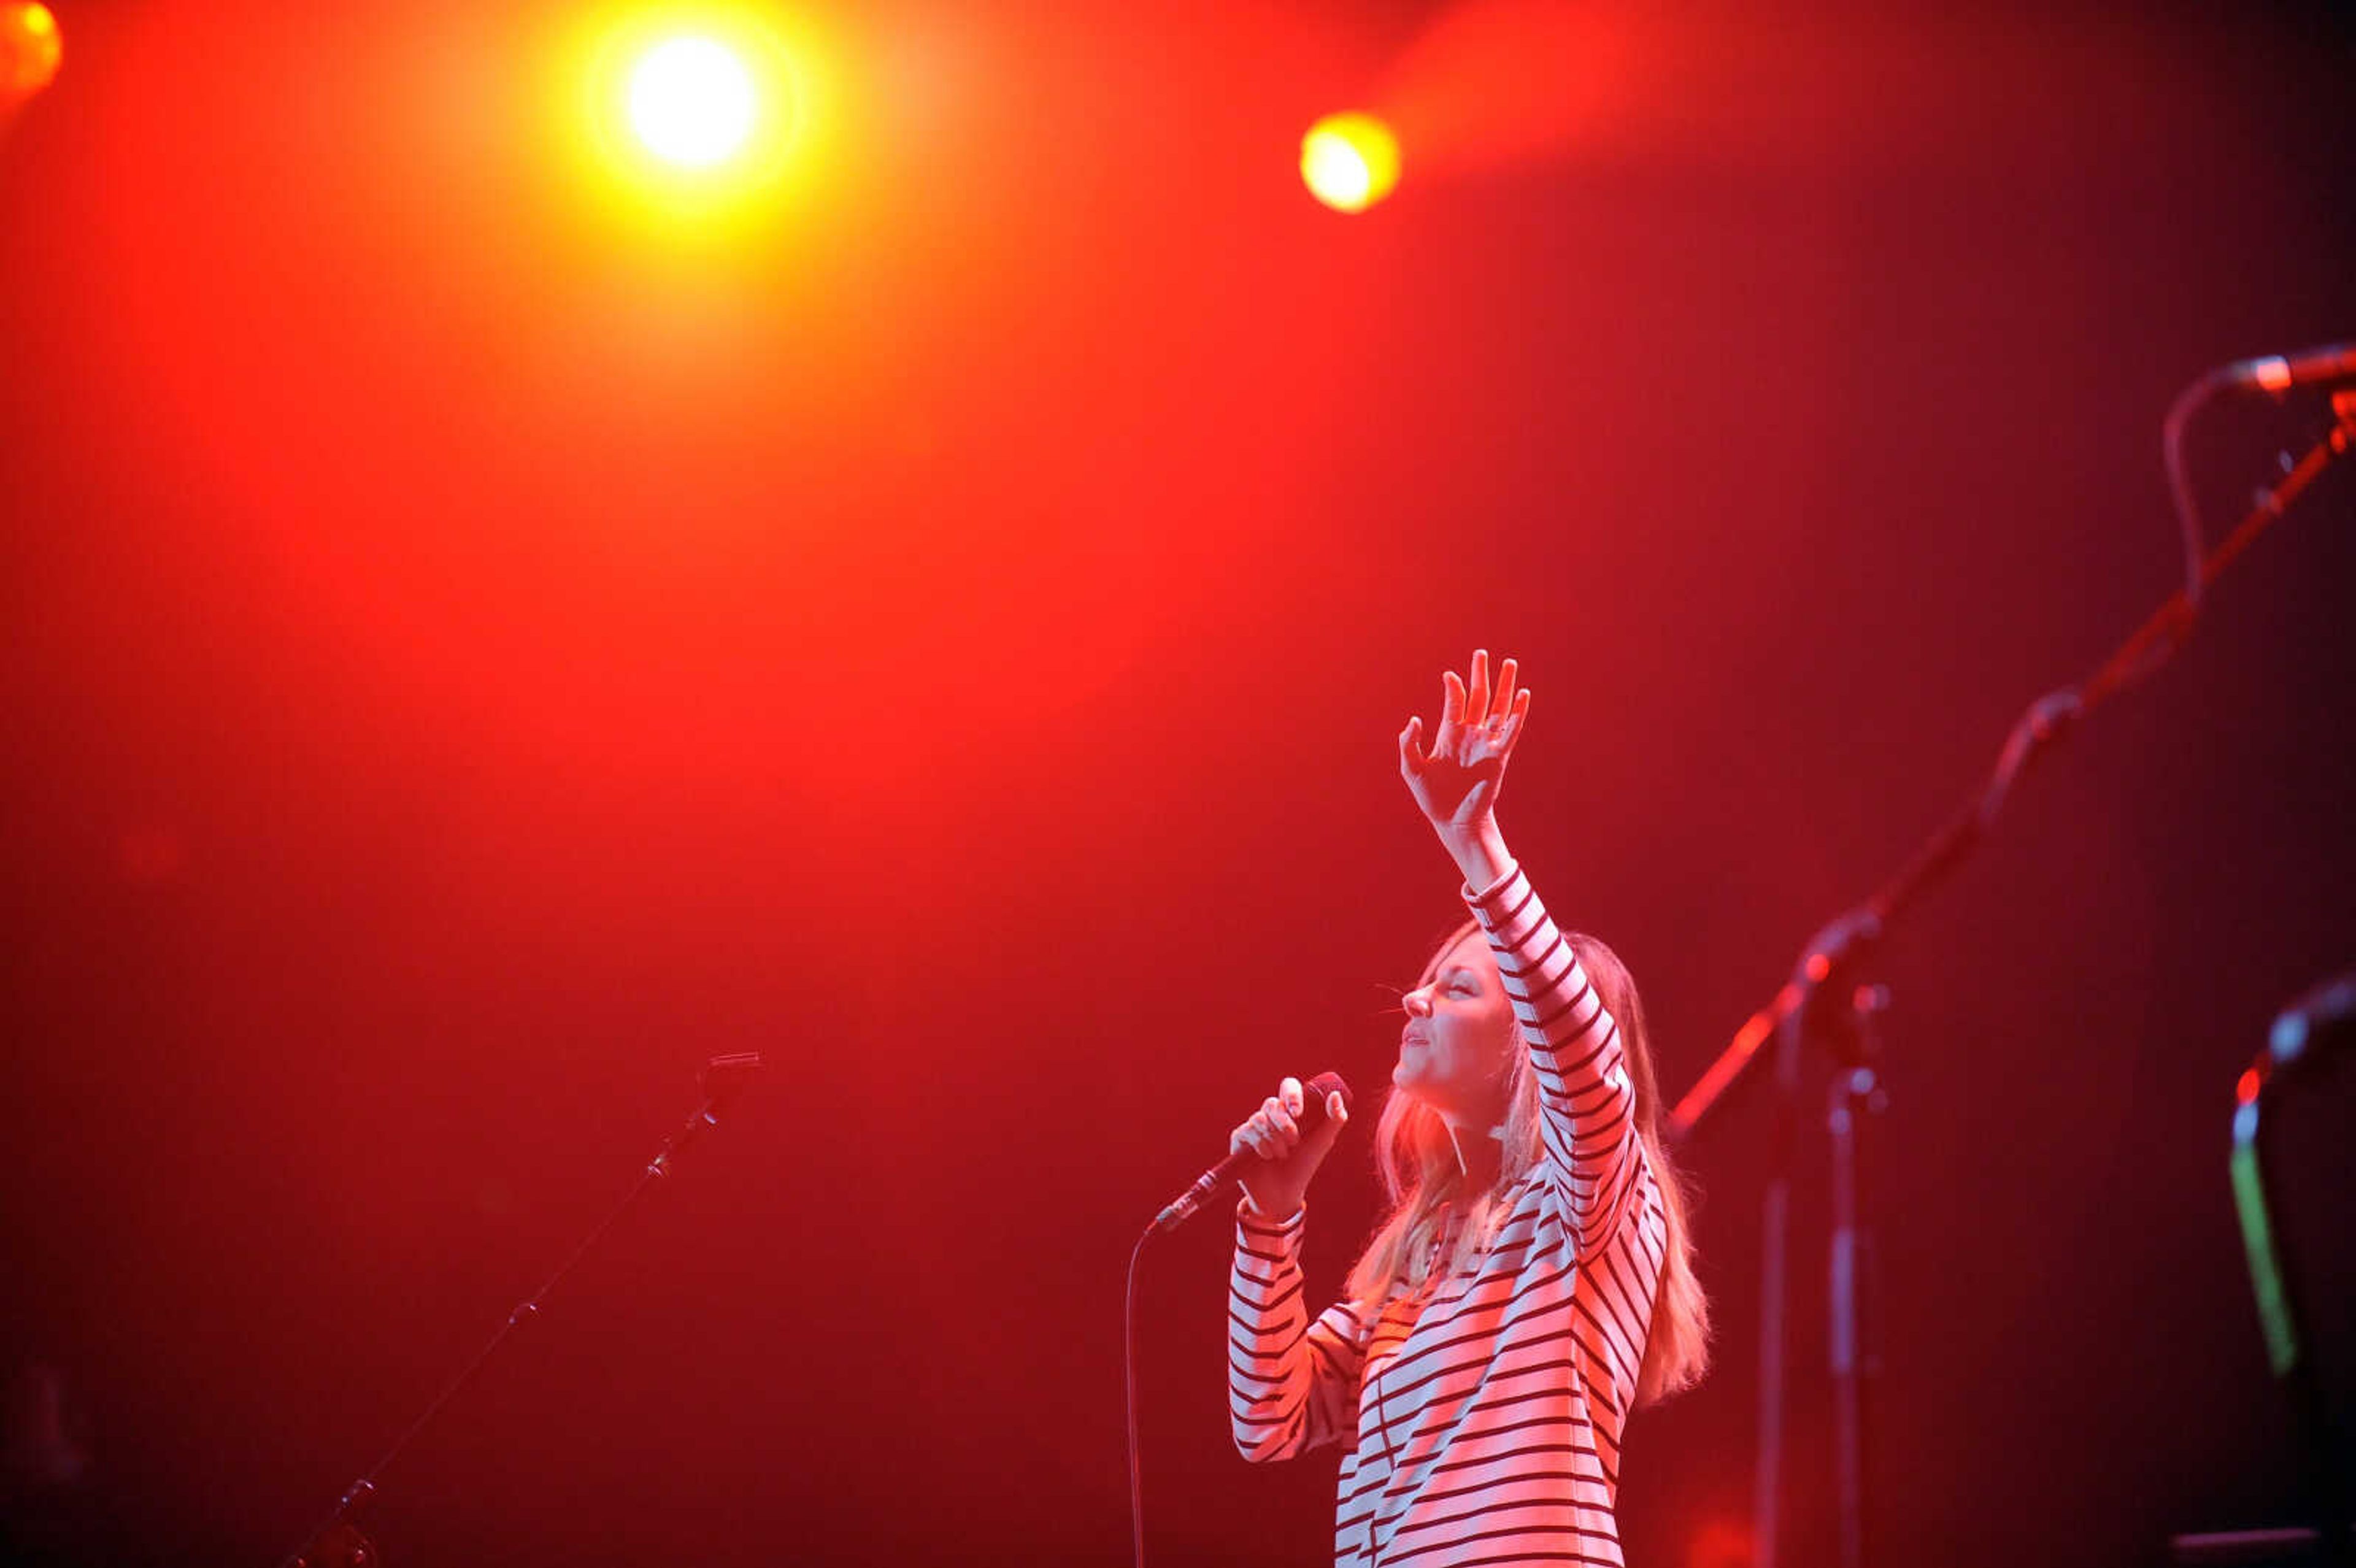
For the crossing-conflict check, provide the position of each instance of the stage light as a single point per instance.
(1349, 161)
(29, 51)
(692, 102)
(702, 120)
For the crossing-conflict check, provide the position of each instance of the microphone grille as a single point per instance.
(1326, 1083)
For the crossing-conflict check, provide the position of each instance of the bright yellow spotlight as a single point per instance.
(692, 101)
(1350, 161)
(704, 119)
(29, 49)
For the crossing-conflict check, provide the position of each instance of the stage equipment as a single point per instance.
(2307, 1073)
(692, 102)
(2278, 373)
(1828, 997)
(1313, 1095)
(1349, 161)
(31, 51)
(338, 1542)
(698, 119)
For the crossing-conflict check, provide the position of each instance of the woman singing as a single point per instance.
(1533, 1281)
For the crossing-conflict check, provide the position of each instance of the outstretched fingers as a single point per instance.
(1500, 705)
(1513, 722)
(1479, 720)
(1413, 757)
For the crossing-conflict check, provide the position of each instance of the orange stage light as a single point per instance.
(29, 51)
(1350, 161)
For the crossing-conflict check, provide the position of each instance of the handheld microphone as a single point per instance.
(1314, 1094)
(2277, 374)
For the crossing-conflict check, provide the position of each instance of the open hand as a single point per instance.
(1455, 779)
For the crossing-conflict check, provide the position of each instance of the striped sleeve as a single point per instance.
(1593, 1155)
(1292, 1383)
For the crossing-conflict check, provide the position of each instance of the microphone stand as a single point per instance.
(1836, 957)
(337, 1542)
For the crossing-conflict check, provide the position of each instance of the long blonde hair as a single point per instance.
(1435, 1225)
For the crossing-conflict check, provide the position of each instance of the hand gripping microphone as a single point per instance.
(1313, 1095)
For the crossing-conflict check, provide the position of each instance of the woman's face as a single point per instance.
(1459, 1038)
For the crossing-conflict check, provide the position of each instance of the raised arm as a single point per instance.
(1587, 1102)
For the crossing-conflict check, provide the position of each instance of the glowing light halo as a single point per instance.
(1349, 161)
(692, 101)
(668, 187)
(29, 51)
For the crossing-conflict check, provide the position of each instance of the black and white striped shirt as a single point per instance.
(1483, 1414)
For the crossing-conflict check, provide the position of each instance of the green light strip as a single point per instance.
(2257, 1238)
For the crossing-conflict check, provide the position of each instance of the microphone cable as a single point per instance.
(1128, 1368)
(1317, 1092)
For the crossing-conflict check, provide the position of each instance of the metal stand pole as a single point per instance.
(1856, 1094)
(337, 1542)
(1829, 959)
(1774, 1251)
